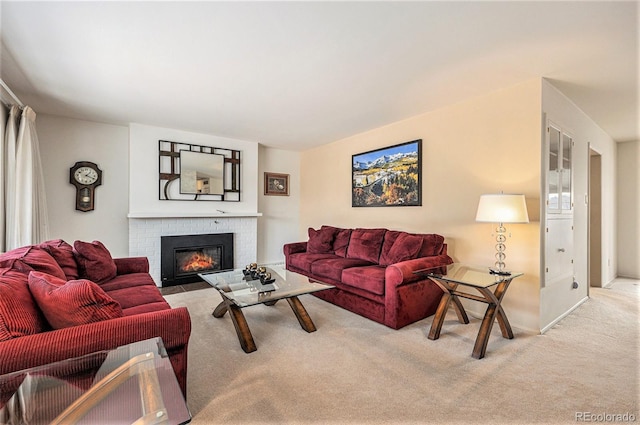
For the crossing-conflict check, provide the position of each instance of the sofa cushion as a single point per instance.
(369, 278)
(432, 245)
(146, 308)
(19, 313)
(127, 281)
(320, 241)
(366, 244)
(303, 260)
(72, 303)
(405, 247)
(340, 241)
(94, 261)
(332, 267)
(62, 252)
(28, 258)
(137, 296)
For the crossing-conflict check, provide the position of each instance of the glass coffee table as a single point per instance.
(132, 384)
(237, 293)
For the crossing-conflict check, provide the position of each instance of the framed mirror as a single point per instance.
(191, 172)
(201, 173)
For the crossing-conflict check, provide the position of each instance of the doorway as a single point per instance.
(595, 218)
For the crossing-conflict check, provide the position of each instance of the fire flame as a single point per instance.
(198, 261)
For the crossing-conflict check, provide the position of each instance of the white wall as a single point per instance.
(628, 179)
(280, 214)
(557, 300)
(63, 141)
(144, 170)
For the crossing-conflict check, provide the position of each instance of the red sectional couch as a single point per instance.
(59, 302)
(372, 270)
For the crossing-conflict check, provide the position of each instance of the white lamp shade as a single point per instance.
(502, 208)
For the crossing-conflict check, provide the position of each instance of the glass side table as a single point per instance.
(132, 384)
(483, 280)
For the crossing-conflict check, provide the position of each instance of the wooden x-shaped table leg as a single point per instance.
(494, 311)
(242, 328)
(447, 298)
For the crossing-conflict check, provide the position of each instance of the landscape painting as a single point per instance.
(388, 177)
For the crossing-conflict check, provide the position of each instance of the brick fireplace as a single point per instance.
(146, 232)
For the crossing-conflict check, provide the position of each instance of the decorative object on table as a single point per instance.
(85, 176)
(266, 279)
(276, 184)
(250, 271)
(388, 177)
(205, 173)
(501, 208)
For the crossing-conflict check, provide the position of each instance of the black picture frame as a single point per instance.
(388, 177)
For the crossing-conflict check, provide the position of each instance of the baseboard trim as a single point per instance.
(562, 316)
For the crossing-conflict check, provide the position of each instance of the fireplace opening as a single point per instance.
(197, 260)
(184, 256)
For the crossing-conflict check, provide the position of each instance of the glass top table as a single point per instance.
(132, 384)
(482, 279)
(474, 276)
(239, 291)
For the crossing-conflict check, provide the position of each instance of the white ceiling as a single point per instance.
(295, 75)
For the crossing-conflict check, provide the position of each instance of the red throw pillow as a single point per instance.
(19, 314)
(62, 252)
(406, 247)
(29, 258)
(340, 241)
(365, 244)
(320, 241)
(73, 303)
(94, 261)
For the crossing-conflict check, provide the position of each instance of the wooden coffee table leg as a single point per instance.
(242, 328)
(302, 315)
(220, 310)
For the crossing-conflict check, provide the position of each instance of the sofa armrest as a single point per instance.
(294, 248)
(401, 273)
(132, 265)
(172, 325)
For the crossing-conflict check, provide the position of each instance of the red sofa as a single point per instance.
(372, 270)
(59, 302)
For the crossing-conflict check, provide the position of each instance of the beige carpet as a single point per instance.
(355, 371)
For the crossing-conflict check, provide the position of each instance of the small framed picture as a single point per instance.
(276, 184)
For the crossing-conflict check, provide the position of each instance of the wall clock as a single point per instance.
(85, 176)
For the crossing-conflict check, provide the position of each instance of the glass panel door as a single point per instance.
(553, 174)
(566, 172)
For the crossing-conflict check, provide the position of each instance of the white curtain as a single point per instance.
(10, 141)
(4, 115)
(25, 209)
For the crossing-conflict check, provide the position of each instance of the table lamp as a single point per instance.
(501, 208)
